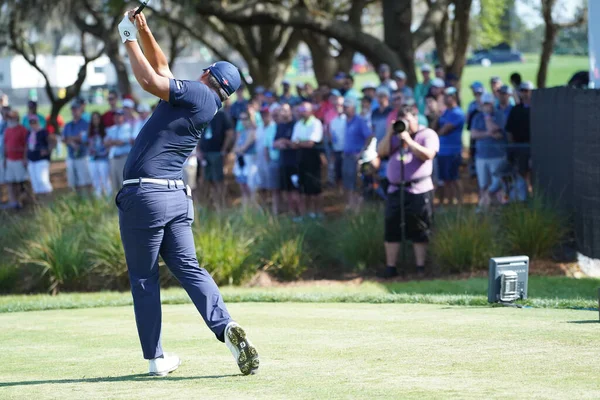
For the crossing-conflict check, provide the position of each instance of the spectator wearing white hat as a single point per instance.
(490, 144)
(129, 111)
(422, 88)
(400, 79)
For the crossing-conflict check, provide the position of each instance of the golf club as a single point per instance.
(141, 7)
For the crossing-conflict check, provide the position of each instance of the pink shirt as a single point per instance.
(414, 167)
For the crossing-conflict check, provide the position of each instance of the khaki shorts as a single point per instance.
(78, 173)
(15, 172)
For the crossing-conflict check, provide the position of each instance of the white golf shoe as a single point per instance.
(162, 366)
(243, 351)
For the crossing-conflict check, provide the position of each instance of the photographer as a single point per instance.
(410, 148)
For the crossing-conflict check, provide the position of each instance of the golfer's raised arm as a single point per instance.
(146, 76)
(156, 57)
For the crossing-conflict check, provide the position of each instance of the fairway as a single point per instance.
(309, 351)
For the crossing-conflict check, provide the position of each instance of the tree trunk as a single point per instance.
(325, 66)
(112, 52)
(397, 20)
(461, 32)
(547, 46)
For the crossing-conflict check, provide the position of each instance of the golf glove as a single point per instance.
(127, 30)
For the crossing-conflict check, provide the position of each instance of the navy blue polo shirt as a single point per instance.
(172, 132)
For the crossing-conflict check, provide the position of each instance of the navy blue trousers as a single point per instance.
(157, 220)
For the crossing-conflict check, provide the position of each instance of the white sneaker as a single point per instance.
(243, 351)
(162, 366)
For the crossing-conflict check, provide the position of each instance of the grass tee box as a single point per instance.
(309, 351)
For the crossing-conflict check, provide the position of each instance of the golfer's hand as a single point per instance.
(127, 29)
(139, 21)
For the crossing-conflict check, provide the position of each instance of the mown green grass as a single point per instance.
(544, 292)
(309, 351)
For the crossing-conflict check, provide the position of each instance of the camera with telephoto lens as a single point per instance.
(400, 126)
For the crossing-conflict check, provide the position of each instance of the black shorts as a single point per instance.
(418, 211)
(520, 157)
(310, 179)
(286, 172)
(338, 158)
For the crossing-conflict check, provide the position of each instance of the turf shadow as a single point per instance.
(585, 321)
(124, 378)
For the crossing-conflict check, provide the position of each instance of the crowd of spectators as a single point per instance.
(287, 146)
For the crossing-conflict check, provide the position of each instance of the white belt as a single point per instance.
(163, 182)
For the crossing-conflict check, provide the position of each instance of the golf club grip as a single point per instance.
(140, 8)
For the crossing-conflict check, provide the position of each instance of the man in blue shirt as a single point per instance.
(487, 129)
(75, 137)
(240, 105)
(357, 136)
(155, 207)
(450, 127)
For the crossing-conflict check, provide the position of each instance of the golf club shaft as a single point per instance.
(141, 7)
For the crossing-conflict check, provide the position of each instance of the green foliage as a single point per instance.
(9, 276)
(534, 229)
(489, 29)
(106, 253)
(223, 249)
(357, 239)
(57, 251)
(464, 241)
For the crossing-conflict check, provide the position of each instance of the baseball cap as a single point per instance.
(31, 103)
(128, 103)
(119, 112)
(400, 75)
(143, 108)
(425, 68)
(285, 83)
(382, 91)
(408, 102)
(268, 94)
(495, 79)
(265, 110)
(340, 75)
(438, 83)
(392, 85)
(505, 89)
(369, 85)
(488, 98)
(384, 68)
(259, 90)
(75, 103)
(476, 84)
(451, 91)
(349, 102)
(227, 75)
(527, 85)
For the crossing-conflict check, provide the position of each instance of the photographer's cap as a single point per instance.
(227, 75)
(488, 98)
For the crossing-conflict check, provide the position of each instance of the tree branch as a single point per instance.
(432, 19)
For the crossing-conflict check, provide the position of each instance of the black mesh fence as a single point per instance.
(565, 148)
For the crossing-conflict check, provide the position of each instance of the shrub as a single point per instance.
(357, 240)
(107, 255)
(464, 241)
(223, 250)
(534, 229)
(9, 276)
(58, 252)
(279, 248)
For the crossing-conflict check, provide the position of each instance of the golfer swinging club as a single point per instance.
(155, 207)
